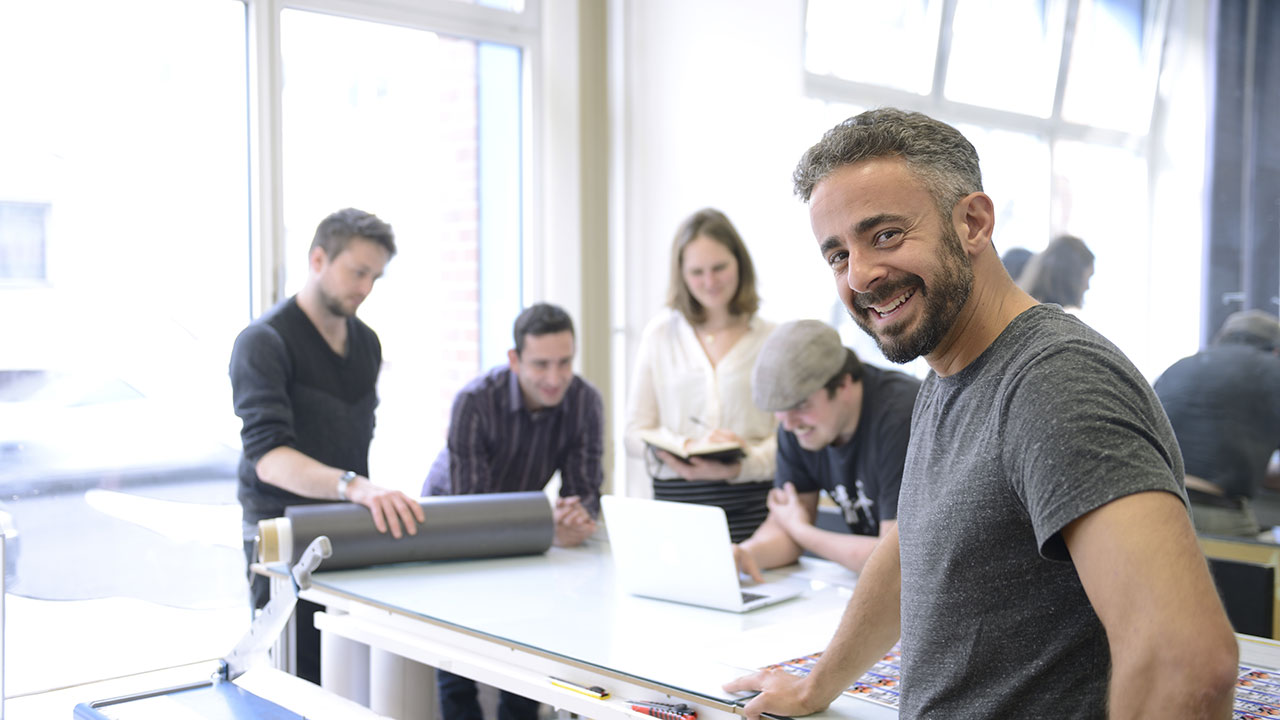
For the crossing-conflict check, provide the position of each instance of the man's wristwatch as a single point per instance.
(344, 481)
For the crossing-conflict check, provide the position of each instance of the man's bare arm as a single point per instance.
(1173, 653)
(870, 626)
(797, 514)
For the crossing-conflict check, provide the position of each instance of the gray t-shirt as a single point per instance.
(1048, 424)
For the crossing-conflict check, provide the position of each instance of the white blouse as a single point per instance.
(675, 383)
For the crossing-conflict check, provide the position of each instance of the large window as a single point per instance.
(125, 175)
(425, 131)
(130, 190)
(831, 48)
(1058, 98)
(1004, 55)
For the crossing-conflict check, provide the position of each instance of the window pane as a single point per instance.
(424, 131)
(1015, 173)
(512, 5)
(1005, 53)
(22, 240)
(884, 43)
(1108, 83)
(501, 281)
(1102, 191)
(116, 438)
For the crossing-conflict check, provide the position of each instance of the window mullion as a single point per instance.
(265, 154)
(943, 57)
(1064, 61)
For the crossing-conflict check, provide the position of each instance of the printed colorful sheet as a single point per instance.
(1257, 689)
(1257, 693)
(878, 685)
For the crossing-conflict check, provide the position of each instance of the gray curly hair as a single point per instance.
(936, 152)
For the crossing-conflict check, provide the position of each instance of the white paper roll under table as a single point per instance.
(456, 527)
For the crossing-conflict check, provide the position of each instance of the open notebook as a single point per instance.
(681, 552)
(663, 439)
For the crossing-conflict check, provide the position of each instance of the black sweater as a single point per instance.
(290, 389)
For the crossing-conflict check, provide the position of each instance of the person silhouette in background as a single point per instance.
(1224, 404)
(1015, 261)
(843, 428)
(510, 430)
(1060, 274)
(692, 377)
(304, 384)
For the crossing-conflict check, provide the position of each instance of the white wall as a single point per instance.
(715, 118)
(713, 102)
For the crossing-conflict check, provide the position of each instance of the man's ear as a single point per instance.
(849, 385)
(317, 258)
(846, 381)
(513, 359)
(974, 218)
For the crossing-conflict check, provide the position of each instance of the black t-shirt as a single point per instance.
(1224, 404)
(862, 476)
(292, 390)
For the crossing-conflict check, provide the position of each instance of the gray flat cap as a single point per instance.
(795, 360)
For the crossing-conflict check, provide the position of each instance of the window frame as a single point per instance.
(1146, 143)
(1052, 129)
(521, 29)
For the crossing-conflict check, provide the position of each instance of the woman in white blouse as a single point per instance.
(693, 377)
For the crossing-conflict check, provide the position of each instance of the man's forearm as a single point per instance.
(771, 546)
(870, 626)
(851, 551)
(300, 474)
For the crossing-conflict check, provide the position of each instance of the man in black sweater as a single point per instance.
(303, 379)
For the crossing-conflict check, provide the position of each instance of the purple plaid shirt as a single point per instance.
(497, 445)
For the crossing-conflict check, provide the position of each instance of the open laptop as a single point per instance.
(681, 552)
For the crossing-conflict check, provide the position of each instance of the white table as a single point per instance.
(516, 622)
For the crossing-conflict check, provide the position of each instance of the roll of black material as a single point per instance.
(456, 527)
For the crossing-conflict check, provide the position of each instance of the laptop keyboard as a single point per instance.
(749, 597)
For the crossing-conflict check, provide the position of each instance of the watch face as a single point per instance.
(343, 481)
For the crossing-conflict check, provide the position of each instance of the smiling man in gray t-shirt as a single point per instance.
(1044, 564)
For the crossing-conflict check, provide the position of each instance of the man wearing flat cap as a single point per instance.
(843, 427)
(1224, 404)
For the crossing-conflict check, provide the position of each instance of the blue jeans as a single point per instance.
(458, 700)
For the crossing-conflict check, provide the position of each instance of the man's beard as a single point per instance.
(942, 304)
(334, 305)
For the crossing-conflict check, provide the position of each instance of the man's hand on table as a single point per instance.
(573, 523)
(780, 693)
